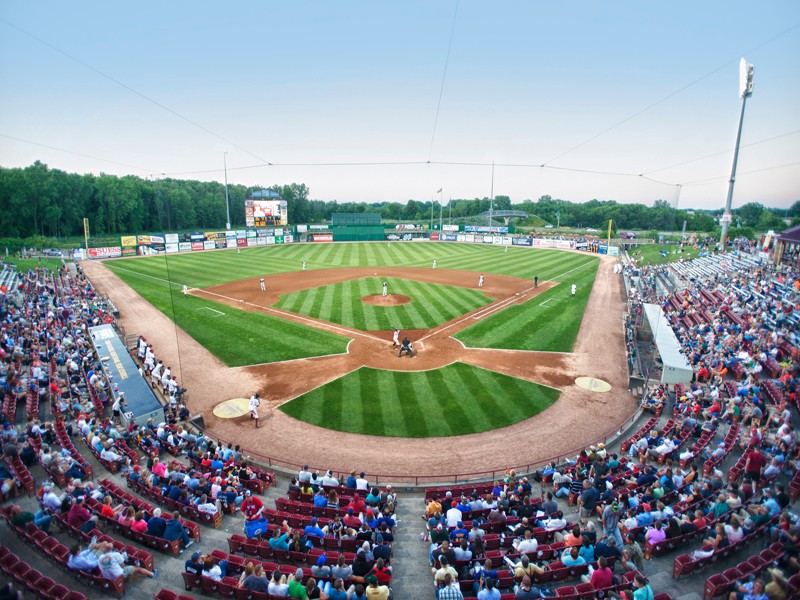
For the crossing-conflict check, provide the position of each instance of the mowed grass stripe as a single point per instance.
(427, 309)
(456, 400)
(547, 322)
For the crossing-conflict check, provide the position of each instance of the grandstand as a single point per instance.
(693, 448)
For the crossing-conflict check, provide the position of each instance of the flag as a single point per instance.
(439, 191)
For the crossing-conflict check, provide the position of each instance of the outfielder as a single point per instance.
(304, 265)
(574, 289)
(434, 263)
(385, 287)
(185, 291)
(255, 402)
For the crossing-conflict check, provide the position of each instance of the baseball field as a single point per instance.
(320, 338)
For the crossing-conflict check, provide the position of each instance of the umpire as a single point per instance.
(406, 347)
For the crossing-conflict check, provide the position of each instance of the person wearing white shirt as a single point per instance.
(110, 455)
(453, 515)
(362, 483)
(527, 544)
(329, 480)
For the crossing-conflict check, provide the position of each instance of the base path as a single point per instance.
(578, 418)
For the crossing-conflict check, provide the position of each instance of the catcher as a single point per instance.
(406, 347)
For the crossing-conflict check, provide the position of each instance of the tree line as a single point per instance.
(40, 202)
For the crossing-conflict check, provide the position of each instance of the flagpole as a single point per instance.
(450, 210)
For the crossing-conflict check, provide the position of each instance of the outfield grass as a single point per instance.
(251, 338)
(454, 400)
(549, 322)
(236, 337)
(430, 305)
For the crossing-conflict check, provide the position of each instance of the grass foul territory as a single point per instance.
(454, 400)
(341, 303)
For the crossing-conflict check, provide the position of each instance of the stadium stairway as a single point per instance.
(411, 574)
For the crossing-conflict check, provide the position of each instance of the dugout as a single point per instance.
(356, 227)
(142, 403)
(674, 368)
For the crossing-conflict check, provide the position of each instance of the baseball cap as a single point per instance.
(196, 556)
(321, 560)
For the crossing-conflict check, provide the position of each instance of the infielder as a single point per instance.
(263, 287)
(434, 263)
(385, 287)
(574, 289)
(535, 281)
(396, 338)
(480, 280)
(255, 402)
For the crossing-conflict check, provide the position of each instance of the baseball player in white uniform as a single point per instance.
(263, 287)
(574, 289)
(480, 280)
(385, 288)
(396, 338)
(255, 402)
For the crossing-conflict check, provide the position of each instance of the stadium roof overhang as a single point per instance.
(676, 368)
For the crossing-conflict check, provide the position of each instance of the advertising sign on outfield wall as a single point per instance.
(221, 244)
(448, 237)
(241, 242)
(172, 248)
(187, 246)
(171, 238)
(469, 238)
(128, 251)
(323, 237)
(302, 228)
(105, 252)
(230, 243)
(209, 245)
(522, 242)
(449, 227)
(485, 229)
(434, 237)
(127, 240)
(261, 241)
(251, 241)
(288, 239)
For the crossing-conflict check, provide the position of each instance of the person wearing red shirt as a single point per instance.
(382, 572)
(754, 464)
(357, 504)
(252, 507)
(602, 576)
(79, 516)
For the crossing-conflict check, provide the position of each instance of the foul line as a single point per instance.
(167, 281)
(575, 269)
(219, 312)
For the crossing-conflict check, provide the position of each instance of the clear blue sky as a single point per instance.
(322, 82)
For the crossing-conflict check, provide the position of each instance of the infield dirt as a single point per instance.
(577, 418)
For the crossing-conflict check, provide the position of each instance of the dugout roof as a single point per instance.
(142, 402)
(676, 368)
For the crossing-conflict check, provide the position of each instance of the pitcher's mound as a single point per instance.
(390, 300)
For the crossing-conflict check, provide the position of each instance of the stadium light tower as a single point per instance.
(227, 204)
(745, 91)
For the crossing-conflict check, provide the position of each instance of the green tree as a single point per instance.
(750, 213)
